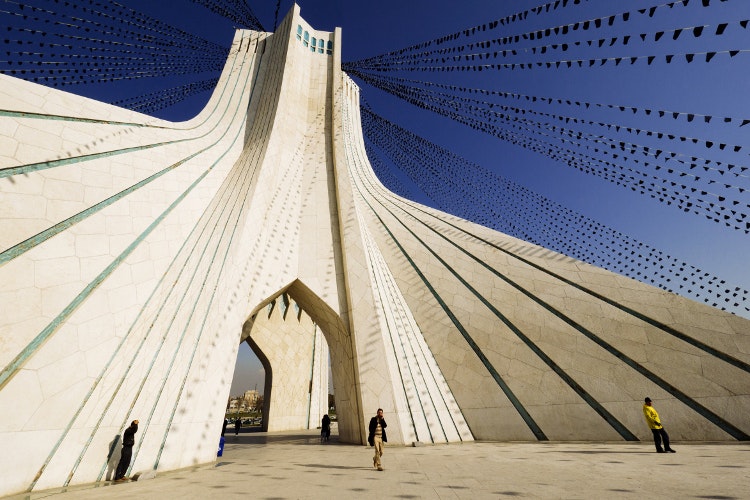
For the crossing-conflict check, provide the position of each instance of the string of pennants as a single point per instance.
(155, 101)
(393, 59)
(107, 19)
(569, 63)
(385, 173)
(691, 162)
(238, 11)
(414, 58)
(660, 113)
(470, 191)
(664, 175)
(381, 168)
(67, 48)
(91, 41)
(94, 42)
(517, 17)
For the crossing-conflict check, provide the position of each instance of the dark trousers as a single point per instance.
(122, 466)
(659, 436)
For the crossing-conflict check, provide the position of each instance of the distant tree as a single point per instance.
(258, 405)
(331, 403)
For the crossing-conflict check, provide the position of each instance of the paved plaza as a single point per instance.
(296, 465)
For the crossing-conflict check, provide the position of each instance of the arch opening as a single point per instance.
(246, 394)
(297, 336)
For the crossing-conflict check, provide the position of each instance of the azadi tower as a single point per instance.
(137, 254)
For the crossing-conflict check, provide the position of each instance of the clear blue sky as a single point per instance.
(373, 28)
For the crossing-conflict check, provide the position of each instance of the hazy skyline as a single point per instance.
(248, 372)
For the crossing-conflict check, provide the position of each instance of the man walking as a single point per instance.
(377, 437)
(128, 440)
(652, 419)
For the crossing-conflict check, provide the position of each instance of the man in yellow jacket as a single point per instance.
(652, 419)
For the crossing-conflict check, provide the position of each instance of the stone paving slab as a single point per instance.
(290, 465)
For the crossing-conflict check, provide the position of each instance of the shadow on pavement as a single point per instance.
(265, 438)
(329, 466)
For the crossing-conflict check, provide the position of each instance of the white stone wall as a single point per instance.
(113, 240)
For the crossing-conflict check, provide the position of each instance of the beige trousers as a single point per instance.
(378, 452)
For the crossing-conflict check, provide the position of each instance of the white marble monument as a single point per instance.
(137, 254)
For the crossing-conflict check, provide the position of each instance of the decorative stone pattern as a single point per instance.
(136, 254)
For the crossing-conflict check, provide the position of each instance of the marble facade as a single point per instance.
(138, 253)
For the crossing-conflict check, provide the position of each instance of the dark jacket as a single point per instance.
(373, 425)
(128, 438)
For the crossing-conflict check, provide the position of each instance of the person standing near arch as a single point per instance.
(325, 428)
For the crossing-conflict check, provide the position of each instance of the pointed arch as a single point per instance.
(338, 338)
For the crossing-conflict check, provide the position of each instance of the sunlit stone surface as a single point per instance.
(137, 254)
